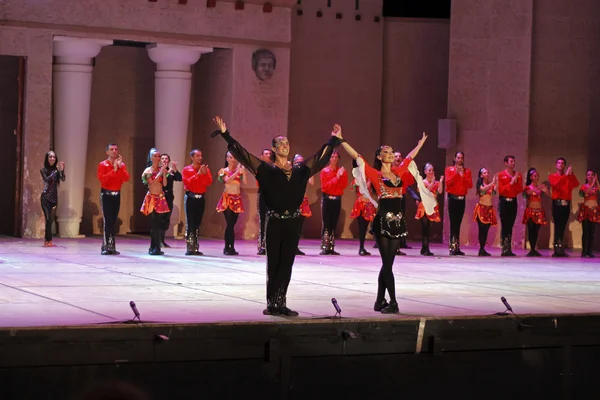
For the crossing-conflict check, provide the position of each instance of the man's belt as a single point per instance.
(194, 195)
(110, 192)
(327, 196)
(455, 197)
(561, 202)
(508, 199)
(285, 215)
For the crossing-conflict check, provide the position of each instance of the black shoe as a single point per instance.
(405, 246)
(459, 253)
(287, 312)
(531, 254)
(333, 252)
(105, 253)
(380, 305)
(271, 311)
(427, 253)
(165, 245)
(324, 253)
(400, 253)
(508, 254)
(261, 252)
(300, 252)
(156, 252)
(483, 253)
(193, 253)
(392, 308)
(537, 253)
(363, 252)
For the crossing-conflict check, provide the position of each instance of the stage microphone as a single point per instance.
(335, 305)
(508, 307)
(135, 310)
(215, 134)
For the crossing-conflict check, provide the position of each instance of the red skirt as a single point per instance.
(154, 202)
(435, 217)
(366, 209)
(588, 213)
(536, 215)
(485, 214)
(305, 208)
(230, 201)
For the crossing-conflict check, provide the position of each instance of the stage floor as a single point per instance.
(72, 284)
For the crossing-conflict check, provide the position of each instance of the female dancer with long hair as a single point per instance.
(389, 224)
(155, 203)
(484, 213)
(534, 216)
(230, 203)
(305, 211)
(52, 173)
(430, 188)
(589, 212)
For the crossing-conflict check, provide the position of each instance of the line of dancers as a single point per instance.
(380, 189)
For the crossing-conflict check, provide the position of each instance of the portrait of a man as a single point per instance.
(263, 64)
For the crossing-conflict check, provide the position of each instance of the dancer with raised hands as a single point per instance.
(283, 186)
(389, 224)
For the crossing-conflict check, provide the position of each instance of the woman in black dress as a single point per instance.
(52, 173)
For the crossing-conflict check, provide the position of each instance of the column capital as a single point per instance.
(72, 50)
(171, 57)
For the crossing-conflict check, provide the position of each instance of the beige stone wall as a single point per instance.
(565, 102)
(489, 93)
(415, 95)
(162, 17)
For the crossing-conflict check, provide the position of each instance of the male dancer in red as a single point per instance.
(510, 184)
(262, 207)
(196, 179)
(458, 183)
(112, 173)
(334, 180)
(562, 182)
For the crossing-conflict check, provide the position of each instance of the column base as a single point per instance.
(69, 228)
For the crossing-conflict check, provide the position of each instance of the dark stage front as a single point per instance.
(550, 357)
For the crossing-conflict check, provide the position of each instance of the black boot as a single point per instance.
(332, 245)
(507, 247)
(454, 246)
(110, 246)
(162, 239)
(559, 249)
(590, 241)
(325, 243)
(403, 244)
(363, 252)
(191, 240)
(425, 246)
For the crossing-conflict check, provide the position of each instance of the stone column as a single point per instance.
(172, 92)
(72, 89)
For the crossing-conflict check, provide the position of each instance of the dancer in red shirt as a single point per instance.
(563, 181)
(458, 183)
(589, 212)
(510, 184)
(389, 224)
(334, 180)
(431, 188)
(484, 213)
(534, 215)
(196, 179)
(112, 173)
(230, 203)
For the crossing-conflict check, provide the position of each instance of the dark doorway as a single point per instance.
(12, 75)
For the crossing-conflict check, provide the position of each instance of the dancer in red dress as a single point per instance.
(431, 188)
(155, 202)
(364, 212)
(534, 216)
(484, 213)
(230, 203)
(589, 212)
